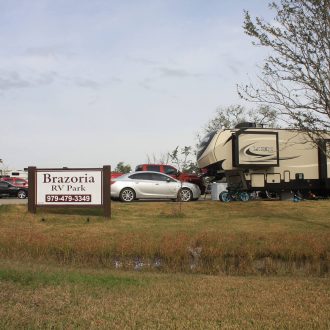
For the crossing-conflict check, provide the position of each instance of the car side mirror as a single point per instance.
(168, 180)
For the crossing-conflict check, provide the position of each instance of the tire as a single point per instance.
(185, 195)
(127, 195)
(225, 196)
(244, 196)
(21, 194)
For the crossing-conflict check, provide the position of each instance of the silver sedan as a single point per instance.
(152, 185)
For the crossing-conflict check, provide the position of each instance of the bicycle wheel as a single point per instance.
(244, 196)
(225, 196)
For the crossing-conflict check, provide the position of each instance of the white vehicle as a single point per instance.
(15, 173)
(152, 185)
(263, 159)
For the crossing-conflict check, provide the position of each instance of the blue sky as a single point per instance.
(87, 83)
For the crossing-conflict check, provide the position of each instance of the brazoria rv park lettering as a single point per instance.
(75, 187)
(58, 186)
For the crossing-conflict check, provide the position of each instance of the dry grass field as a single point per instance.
(209, 265)
(205, 237)
(48, 297)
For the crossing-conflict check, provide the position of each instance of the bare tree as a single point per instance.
(229, 117)
(295, 77)
(182, 159)
(161, 159)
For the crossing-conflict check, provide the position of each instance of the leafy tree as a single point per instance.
(122, 168)
(295, 77)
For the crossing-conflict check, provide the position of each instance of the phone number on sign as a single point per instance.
(69, 198)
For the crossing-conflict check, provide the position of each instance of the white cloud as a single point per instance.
(107, 81)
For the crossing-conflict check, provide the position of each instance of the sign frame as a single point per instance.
(105, 189)
(236, 150)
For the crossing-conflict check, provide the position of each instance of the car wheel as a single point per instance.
(127, 195)
(21, 194)
(185, 195)
(244, 196)
(225, 196)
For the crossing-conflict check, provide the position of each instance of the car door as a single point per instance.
(143, 185)
(3, 188)
(6, 189)
(164, 186)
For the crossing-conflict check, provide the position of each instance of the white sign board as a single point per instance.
(69, 187)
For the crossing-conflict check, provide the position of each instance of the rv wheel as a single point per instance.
(225, 196)
(244, 196)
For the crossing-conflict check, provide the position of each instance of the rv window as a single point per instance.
(299, 176)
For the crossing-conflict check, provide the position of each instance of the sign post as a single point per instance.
(32, 189)
(66, 187)
(106, 191)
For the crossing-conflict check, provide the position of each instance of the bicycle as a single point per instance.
(234, 195)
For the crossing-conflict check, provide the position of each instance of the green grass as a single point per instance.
(36, 279)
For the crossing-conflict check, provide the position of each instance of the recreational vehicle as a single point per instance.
(254, 158)
(14, 173)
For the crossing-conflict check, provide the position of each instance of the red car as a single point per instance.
(17, 182)
(172, 171)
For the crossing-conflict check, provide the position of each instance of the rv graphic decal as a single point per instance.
(262, 153)
(255, 151)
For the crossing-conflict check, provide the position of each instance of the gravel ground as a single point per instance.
(12, 200)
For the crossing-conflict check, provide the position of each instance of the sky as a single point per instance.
(91, 83)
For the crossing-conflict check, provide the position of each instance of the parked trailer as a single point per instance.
(14, 173)
(263, 159)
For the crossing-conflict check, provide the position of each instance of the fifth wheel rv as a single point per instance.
(253, 158)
